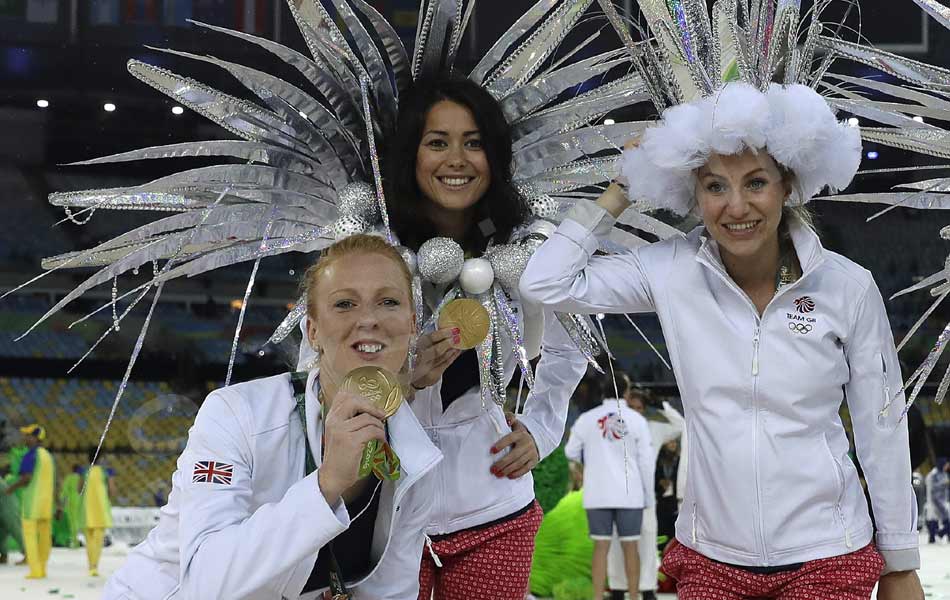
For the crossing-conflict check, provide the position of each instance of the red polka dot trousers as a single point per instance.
(847, 577)
(488, 564)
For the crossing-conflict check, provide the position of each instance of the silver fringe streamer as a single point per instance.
(581, 337)
(290, 322)
(512, 326)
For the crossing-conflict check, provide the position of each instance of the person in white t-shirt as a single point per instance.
(613, 443)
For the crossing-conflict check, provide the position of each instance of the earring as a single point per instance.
(315, 361)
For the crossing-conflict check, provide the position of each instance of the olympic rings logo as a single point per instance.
(801, 328)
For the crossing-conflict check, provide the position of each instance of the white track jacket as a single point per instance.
(770, 481)
(254, 531)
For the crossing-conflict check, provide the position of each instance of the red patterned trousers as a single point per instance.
(488, 564)
(847, 577)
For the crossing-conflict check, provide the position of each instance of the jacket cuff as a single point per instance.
(586, 224)
(900, 560)
(540, 440)
(324, 510)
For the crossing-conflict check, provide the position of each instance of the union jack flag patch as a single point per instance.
(211, 471)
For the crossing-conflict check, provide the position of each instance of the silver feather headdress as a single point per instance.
(689, 54)
(307, 170)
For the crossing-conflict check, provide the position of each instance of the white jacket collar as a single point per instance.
(804, 239)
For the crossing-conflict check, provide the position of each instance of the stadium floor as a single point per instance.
(68, 579)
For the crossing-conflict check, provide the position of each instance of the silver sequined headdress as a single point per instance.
(308, 170)
(735, 76)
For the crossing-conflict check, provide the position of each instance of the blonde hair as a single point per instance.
(360, 243)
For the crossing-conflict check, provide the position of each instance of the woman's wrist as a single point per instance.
(614, 200)
(328, 489)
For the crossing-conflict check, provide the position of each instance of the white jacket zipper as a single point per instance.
(756, 338)
(840, 512)
(755, 351)
(435, 557)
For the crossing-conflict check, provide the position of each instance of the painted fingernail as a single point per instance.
(457, 339)
(456, 331)
(494, 450)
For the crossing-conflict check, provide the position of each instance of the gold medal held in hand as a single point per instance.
(377, 385)
(380, 387)
(470, 317)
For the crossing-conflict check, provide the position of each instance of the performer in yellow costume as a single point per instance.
(96, 514)
(37, 473)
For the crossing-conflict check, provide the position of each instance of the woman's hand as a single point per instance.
(523, 455)
(900, 585)
(614, 199)
(351, 422)
(576, 475)
(434, 353)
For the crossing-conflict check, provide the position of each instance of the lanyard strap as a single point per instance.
(298, 380)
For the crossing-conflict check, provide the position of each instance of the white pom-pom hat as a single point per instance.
(792, 123)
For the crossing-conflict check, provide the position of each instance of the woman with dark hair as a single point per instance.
(448, 175)
(495, 200)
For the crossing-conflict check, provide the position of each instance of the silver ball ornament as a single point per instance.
(348, 225)
(945, 232)
(509, 262)
(477, 276)
(440, 260)
(540, 204)
(358, 199)
(544, 208)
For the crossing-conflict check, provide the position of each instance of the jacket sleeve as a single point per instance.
(662, 432)
(881, 439)
(564, 275)
(673, 416)
(229, 550)
(559, 370)
(646, 463)
(574, 449)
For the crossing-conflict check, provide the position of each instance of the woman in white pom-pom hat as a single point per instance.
(768, 333)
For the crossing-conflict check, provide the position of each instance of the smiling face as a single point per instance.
(360, 314)
(452, 169)
(741, 197)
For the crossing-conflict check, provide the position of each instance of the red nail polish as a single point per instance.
(456, 331)
(494, 450)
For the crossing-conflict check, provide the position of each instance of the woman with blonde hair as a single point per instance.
(768, 333)
(270, 499)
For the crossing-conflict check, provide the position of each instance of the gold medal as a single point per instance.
(470, 317)
(377, 385)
